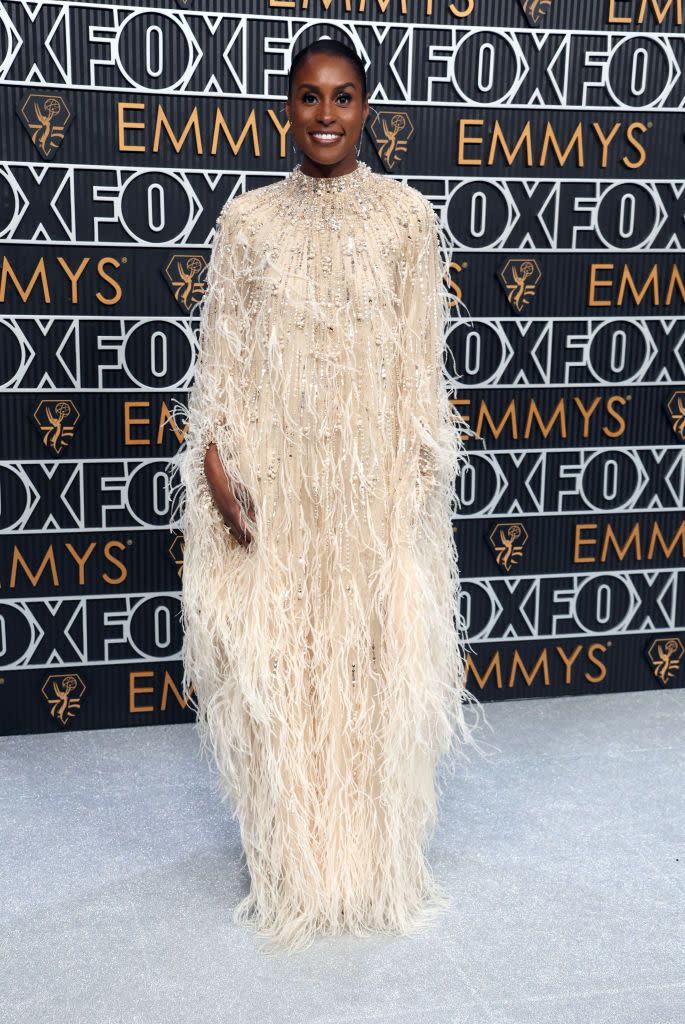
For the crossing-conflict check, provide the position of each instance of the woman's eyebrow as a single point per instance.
(310, 85)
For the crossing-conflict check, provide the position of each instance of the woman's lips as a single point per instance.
(325, 142)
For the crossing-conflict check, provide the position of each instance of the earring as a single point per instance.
(361, 136)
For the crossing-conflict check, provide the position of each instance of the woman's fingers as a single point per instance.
(225, 499)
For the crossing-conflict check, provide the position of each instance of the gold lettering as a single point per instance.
(468, 140)
(496, 430)
(510, 155)
(19, 560)
(74, 277)
(575, 140)
(494, 666)
(165, 416)
(621, 429)
(124, 126)
(109, 546)
(670, 548)
(282, 132)
(250, 125)
(8, 271)
(534, 414)
(465, 12)
(192, 124)
(600, 664)
(81, 559)
(675, 279)
(632, 128)
(596, 283)
(529, 677)
(659, 11)
(568, 660)
(585, 412)
(135, 421)
(170, 685)
(613, 18)
(118, 291)
(610, 540)
(581, 542)
(627, 281)
(134, 690)
(605, 140)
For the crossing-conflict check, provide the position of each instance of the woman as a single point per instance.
(323, 638)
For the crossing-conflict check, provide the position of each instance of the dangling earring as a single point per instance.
(361, 136)
(294, 149)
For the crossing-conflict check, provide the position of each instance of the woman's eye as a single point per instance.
(341, 96)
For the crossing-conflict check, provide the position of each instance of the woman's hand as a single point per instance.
(222, 491)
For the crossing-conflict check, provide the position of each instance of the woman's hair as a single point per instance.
(336, 49)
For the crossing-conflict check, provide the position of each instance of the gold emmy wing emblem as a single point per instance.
(56, 419)
(63, 694)
(536, 10)
(676, 408)
(176, 549)
(665, 655)
(520, 278)
(46, 119)
(182, 275)
(508, 541)
(391, 131)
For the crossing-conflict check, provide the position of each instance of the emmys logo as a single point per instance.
(182, 275)
(665, 656)
(508, 541)
(63, 694)
(46, 119)
(536, 10)
(520, 278)
(391, 131)
(175, 550)
(57, 421)
(676, 408)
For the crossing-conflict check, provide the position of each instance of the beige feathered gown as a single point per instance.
(327, 660)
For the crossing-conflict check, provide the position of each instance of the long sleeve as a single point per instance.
(434, 427)
(216, 411)
(216, 404)
(215, 395)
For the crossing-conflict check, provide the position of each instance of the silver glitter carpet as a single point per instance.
(563, 848)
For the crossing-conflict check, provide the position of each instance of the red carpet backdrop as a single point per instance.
(549, 135)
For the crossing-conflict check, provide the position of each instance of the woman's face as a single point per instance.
(326, 98)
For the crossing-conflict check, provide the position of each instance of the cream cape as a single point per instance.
(327, 660)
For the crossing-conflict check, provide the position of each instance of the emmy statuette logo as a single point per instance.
(175, 551)
(56, 419)
(520, 278)
(182, 274)
(665, 656)
(63, 694)
(536, 10)
(676, 409)
(391, 131)
(508, 541)
(46, 119)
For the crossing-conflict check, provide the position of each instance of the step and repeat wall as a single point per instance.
(549, 135)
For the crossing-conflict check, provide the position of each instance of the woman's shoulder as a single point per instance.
(237, 207)
(410, 206)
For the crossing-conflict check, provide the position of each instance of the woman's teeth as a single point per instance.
(325, 136)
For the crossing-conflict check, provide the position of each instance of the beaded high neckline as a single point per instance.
(324, 186)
